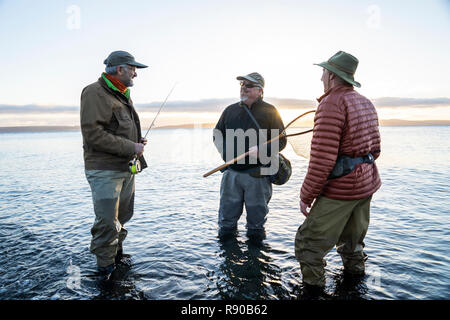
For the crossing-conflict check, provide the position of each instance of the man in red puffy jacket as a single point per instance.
(341, 177)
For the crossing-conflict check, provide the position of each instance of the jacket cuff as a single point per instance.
(129, 148)
(306, 200)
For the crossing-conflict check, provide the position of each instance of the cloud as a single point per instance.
(292, 103)
(218, 105)
(32, 108)
(206, 105)
(393, 102)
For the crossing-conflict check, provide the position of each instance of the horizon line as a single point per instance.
(208, 125)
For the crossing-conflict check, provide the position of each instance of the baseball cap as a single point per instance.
(117, 58)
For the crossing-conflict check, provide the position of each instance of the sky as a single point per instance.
(52, 49)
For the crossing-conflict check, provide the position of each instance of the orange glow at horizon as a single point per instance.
(193, 118)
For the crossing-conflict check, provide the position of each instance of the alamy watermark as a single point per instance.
(74, 280)
(374, 19)
(235, 142)
(73, 21)
(374, 277)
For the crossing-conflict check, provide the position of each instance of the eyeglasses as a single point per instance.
(249, 85)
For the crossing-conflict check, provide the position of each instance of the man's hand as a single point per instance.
(139, 149)
(304, 208)
(253, 152)
(144, 141)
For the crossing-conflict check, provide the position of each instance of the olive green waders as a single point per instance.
(113, 197)
(331, 222)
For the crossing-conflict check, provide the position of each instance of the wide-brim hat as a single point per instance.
(253, 77)
(343, 65)
(117, 58)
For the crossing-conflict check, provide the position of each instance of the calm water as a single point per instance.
(46, 214)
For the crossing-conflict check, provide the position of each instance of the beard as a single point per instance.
(243, 98)
(128, 83)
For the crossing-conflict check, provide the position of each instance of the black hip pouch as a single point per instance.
(346, 164)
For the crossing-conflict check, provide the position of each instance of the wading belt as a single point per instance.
(346, 164)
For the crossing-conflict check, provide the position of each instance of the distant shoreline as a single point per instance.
(383, 123)
(38, 129)
(409, 123)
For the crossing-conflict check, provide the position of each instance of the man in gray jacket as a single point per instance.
(111, 139)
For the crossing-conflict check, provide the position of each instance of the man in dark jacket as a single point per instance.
(111, 138)
(341, 177)
(243, 127)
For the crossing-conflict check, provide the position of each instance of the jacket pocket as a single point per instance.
(125, 124)
(122, 114)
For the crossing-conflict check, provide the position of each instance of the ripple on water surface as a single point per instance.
(46, 216)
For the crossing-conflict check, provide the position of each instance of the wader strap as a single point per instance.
(257, 125)
(251, 116)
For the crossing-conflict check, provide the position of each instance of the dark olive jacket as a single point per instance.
(110, 127)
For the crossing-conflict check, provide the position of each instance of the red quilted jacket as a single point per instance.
(345, 123)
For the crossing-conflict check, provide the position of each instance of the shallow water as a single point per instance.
(46, 214)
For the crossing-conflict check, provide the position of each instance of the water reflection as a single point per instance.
(349, 287)
(46, 214)
(247, 271)
(121, 285)
(343, 286)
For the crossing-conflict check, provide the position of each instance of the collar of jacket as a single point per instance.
(334, 89)
(113, 87)
(254, 104)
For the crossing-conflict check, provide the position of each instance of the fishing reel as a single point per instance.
(134, 166)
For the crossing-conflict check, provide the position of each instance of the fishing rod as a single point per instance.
(162, 105)
(282, 134)
(134, 164)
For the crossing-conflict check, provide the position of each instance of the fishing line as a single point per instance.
(162, 105)
(134, 165)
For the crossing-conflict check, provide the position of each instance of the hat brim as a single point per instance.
(253, 80)
(137, 65)
(344, 75)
